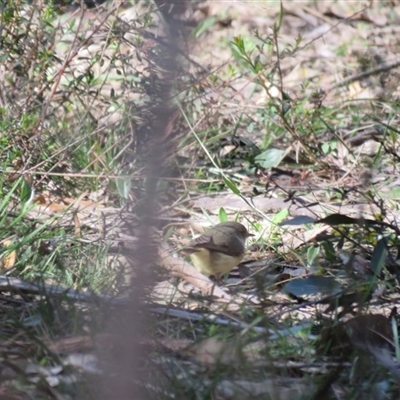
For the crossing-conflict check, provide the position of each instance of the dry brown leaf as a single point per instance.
(166, 293)
(177, 345)
(8, 258)
(40, 199)
(235, 203)
(300, 12)
(374, 17)
(356, 91)
(355, 262)
(56, 204)
(70, 344)
(77, 223)
(294, 241)
(341, 9)
(77, 202)
(212, 351)
(54, 207)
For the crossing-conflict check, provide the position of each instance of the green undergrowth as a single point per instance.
(69, 118)
(236, 130)
(345, 271)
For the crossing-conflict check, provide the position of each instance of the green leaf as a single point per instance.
(326, 148)
(280, 216)
(124, 187)
(25, 191)
(395, 331)
(222, 215)
(270, 158)
(231, 185)
(379, 256)
(278, 26)
(392, 194)
(312, 254)
(340, 219)
(7, 199)
(242, 48)
(300, 220)
(313, 285)
(239, 43)
(203, 26)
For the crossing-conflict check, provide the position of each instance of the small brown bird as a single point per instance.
(219, 249)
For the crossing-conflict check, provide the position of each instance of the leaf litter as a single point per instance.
(335, 61)
(341, 194)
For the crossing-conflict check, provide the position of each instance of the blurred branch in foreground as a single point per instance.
(124, 378)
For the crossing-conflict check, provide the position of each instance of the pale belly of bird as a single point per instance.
(214, 263)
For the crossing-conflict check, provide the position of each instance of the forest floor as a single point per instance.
(285, 119)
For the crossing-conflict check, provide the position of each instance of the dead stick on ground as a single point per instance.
(182, 269)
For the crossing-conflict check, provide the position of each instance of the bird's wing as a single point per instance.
(206, 242)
